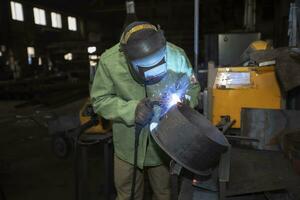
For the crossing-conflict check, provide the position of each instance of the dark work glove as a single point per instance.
(143, 112)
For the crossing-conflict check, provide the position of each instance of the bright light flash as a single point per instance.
(174, 99)
(153, 125)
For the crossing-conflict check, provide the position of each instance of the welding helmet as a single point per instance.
(144, 46)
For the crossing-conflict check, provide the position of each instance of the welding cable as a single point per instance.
(138, 130)
(77, 143)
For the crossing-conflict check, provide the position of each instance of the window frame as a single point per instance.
(56, 20)
(39, 15)
(72, 23)
(14, 8)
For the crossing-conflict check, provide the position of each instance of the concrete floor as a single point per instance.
(29, 170)
(28, 167)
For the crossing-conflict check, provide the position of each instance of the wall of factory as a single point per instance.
(272, 20)
(19, 35)
(223, 16)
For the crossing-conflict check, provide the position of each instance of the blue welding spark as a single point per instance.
(170, 97)
(175, 93)
(174, 99)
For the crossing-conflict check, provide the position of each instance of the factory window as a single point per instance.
(40, 61)
(68, 56)
(92, 49)
(30, 51)
(30, 54)
(16, 11)
(39, 16)
(93, 60)
(93, 63)
(93, 57)
(56, 20)
(2, 50)
(72, 23)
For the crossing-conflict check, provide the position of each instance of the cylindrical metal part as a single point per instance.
(211, 74)
(190, 139)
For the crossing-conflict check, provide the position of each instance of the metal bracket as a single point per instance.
(175, 168)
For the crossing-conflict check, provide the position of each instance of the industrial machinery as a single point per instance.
(251, 85)
(74, 133)
(244, 87)
(225, 49)
(65, 130)
(85, 115)
(251, 99)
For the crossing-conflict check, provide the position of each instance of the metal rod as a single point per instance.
(236, 137)
(228, 126)
(138, 130)
(196, 33)
(107, 169)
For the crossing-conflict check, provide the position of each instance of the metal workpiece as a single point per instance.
(267, 126)
(253, 171)
(224, 173)
(287, 65)
(190, 139)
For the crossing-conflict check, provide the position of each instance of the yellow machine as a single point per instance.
(86, 114)
(244, 87)
(260, 45)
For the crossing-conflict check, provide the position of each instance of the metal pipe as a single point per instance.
(228, 126)
(196, 33)
(250, 15)
(241, 138)
(130, 7)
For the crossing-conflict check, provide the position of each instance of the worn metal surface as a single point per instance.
(190, 139)
(287, 65)
(266, 55)
(288, 70)
(266, 125)
(254, 171)
(224, 167)
(231, 46)
(226, 49)
(198, 187)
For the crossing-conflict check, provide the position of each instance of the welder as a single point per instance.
(131, 76)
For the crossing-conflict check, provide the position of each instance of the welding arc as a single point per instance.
(138, 130)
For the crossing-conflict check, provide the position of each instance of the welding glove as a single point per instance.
(143, 112)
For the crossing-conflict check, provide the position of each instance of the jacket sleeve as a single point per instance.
(105, 101)
(193, 91)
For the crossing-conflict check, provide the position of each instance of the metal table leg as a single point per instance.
(81, 173)
(108, 169)
(224, 173)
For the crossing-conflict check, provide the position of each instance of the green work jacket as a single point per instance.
(115, 95)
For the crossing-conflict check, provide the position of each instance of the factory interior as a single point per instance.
(76, 118)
